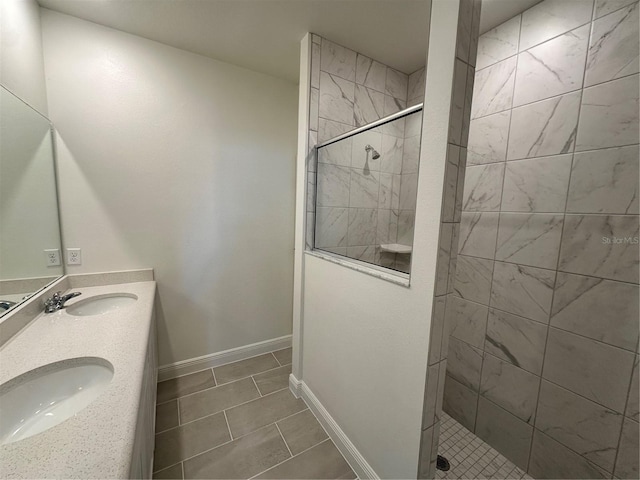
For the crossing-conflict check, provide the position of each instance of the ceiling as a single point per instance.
(264, 35)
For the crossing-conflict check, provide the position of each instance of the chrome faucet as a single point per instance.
(56, 302)
(6, 304)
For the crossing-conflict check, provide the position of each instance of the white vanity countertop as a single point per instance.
(98, 441)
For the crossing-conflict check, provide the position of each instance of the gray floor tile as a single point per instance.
(283, 356)
(188, 440)
(263, 411)
(167, 416)
(217, 399)
(177, 387)
(245, 368)
(273, 380)
(302, 431)
(171, 473)
(242, 458)
(321, 461)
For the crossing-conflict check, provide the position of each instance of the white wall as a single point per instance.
(22, 67)
(182, 163)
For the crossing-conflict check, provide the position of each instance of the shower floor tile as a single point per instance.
(470, 457)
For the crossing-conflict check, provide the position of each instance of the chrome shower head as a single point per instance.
(374, 153)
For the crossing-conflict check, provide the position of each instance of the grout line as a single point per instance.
(182, 469)
(226, 419)
(276, 359)
(283, 439)
(178, 409)
(294, 456)
(256, 385)
(215, 380)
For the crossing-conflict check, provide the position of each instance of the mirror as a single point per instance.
(29, 220)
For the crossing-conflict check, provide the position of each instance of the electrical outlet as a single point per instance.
(52, 256)
(74, 256)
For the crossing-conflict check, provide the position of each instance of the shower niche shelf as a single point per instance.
(395, 248)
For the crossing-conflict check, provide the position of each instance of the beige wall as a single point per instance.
(182, 163)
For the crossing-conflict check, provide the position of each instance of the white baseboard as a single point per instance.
(184, 367)
(358, 463)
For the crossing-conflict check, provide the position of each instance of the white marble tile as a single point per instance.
(437, 330)
(483, 188)
(396, 84)
(442, 375)
(633, 404)
(613, 49)
(581, 303)
(333, 185)
(457, 102)
(363, 226)
(601, 246)
(413, 125)
(391, 154)
(311, 192)
(391, 106)
(544, 128)
(604, 7)
(314, 99)
(488, 138)
(444, 257)
(524, 291)
(592, 369)
(550, 459)
(627, 462)
(580, 424)
(450, 185)
(406, 220)
(609, 115)
(510, 387)
(462, 173)
(364, 189)
(395, 192)
(605, 181)
(416, 84)
(453, 259)
(315, 65)
(468, 321)
(493, 88)
(366, 253)
(475, 32)
(370, 73)
(465, 19)
(552, 18)
(336, 98)
(529, 239)
(338, 153)
(331, 227)
(368, 106)
(507, 433)
(498, 43)
(478, 233)
(460, 402)
(517, 340)
(328, 129)
(338, 60)
(537, 185)
(411, 155)
(464, 361)
(385, 192)
(408, 191)
(310, 225)
(360, 158)
(473, 278)
(468, 104)
(430, 398)
(311, 160)
(552, 68)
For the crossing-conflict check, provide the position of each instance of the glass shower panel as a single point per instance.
(366, 192)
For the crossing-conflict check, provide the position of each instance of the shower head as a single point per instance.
(374, 154)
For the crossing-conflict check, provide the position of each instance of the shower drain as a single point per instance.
(442, 464)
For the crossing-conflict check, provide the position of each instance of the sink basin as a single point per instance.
(45, 397)
(101, 304)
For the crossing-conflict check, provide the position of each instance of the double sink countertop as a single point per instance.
(98, 441)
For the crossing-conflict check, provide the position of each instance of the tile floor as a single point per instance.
(241, 421)
(470, 457)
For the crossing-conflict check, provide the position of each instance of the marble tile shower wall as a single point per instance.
(459, 119)
(543, 348)
(361, 202)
